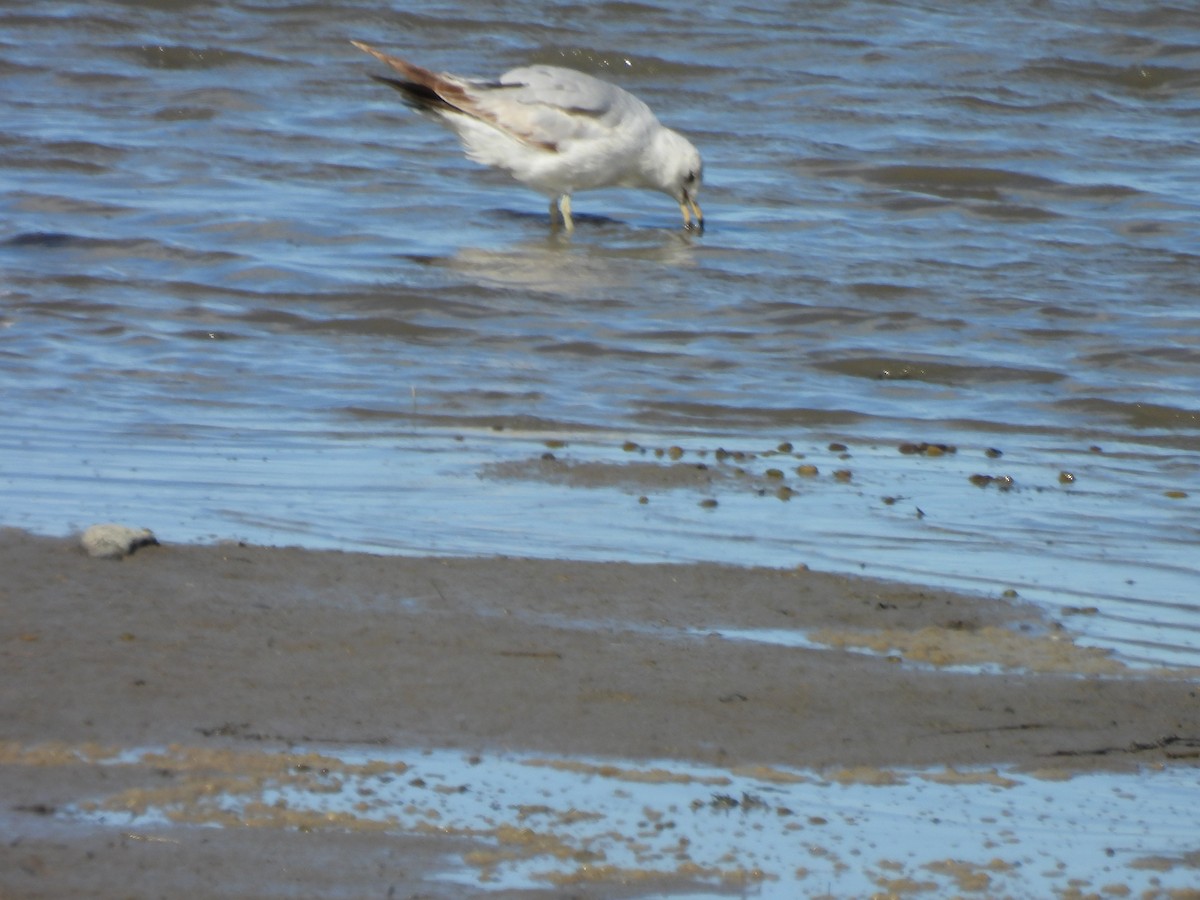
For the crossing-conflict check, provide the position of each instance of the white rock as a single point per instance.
(110, 541)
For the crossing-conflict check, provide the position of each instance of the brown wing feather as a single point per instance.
(413, 73)
(429, 90)
(416, 95)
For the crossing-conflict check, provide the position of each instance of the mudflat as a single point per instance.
(237, 648)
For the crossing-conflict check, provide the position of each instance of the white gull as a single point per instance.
(558, 131)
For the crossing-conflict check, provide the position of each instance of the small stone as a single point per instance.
(111, 541)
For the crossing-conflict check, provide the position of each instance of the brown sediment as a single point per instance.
(237, 653)
(246, 644)
(954, 645)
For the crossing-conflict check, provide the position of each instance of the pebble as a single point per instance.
(111, 541)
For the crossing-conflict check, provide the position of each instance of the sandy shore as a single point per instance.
(247, 648)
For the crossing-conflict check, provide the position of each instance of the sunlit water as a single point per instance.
(758, 831)
(245, 294)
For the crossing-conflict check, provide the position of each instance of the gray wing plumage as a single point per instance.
(543, 107)
(549, 106)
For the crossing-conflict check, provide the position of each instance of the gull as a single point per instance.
(556, 130)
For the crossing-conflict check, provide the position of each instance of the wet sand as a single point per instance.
(250, 648)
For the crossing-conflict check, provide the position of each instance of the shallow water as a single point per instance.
(245, 294)
(756, 831)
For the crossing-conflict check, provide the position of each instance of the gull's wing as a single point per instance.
(541, 106)
(556, 106)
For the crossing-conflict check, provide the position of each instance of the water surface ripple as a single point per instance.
(244, 293)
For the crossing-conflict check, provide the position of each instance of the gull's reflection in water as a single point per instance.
(602, 254)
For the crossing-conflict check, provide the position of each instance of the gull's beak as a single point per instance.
(689, 207)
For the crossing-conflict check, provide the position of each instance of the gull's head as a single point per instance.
(679, 172)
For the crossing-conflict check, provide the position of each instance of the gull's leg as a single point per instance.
(564, 207)
(687, 207)
(560, 213)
